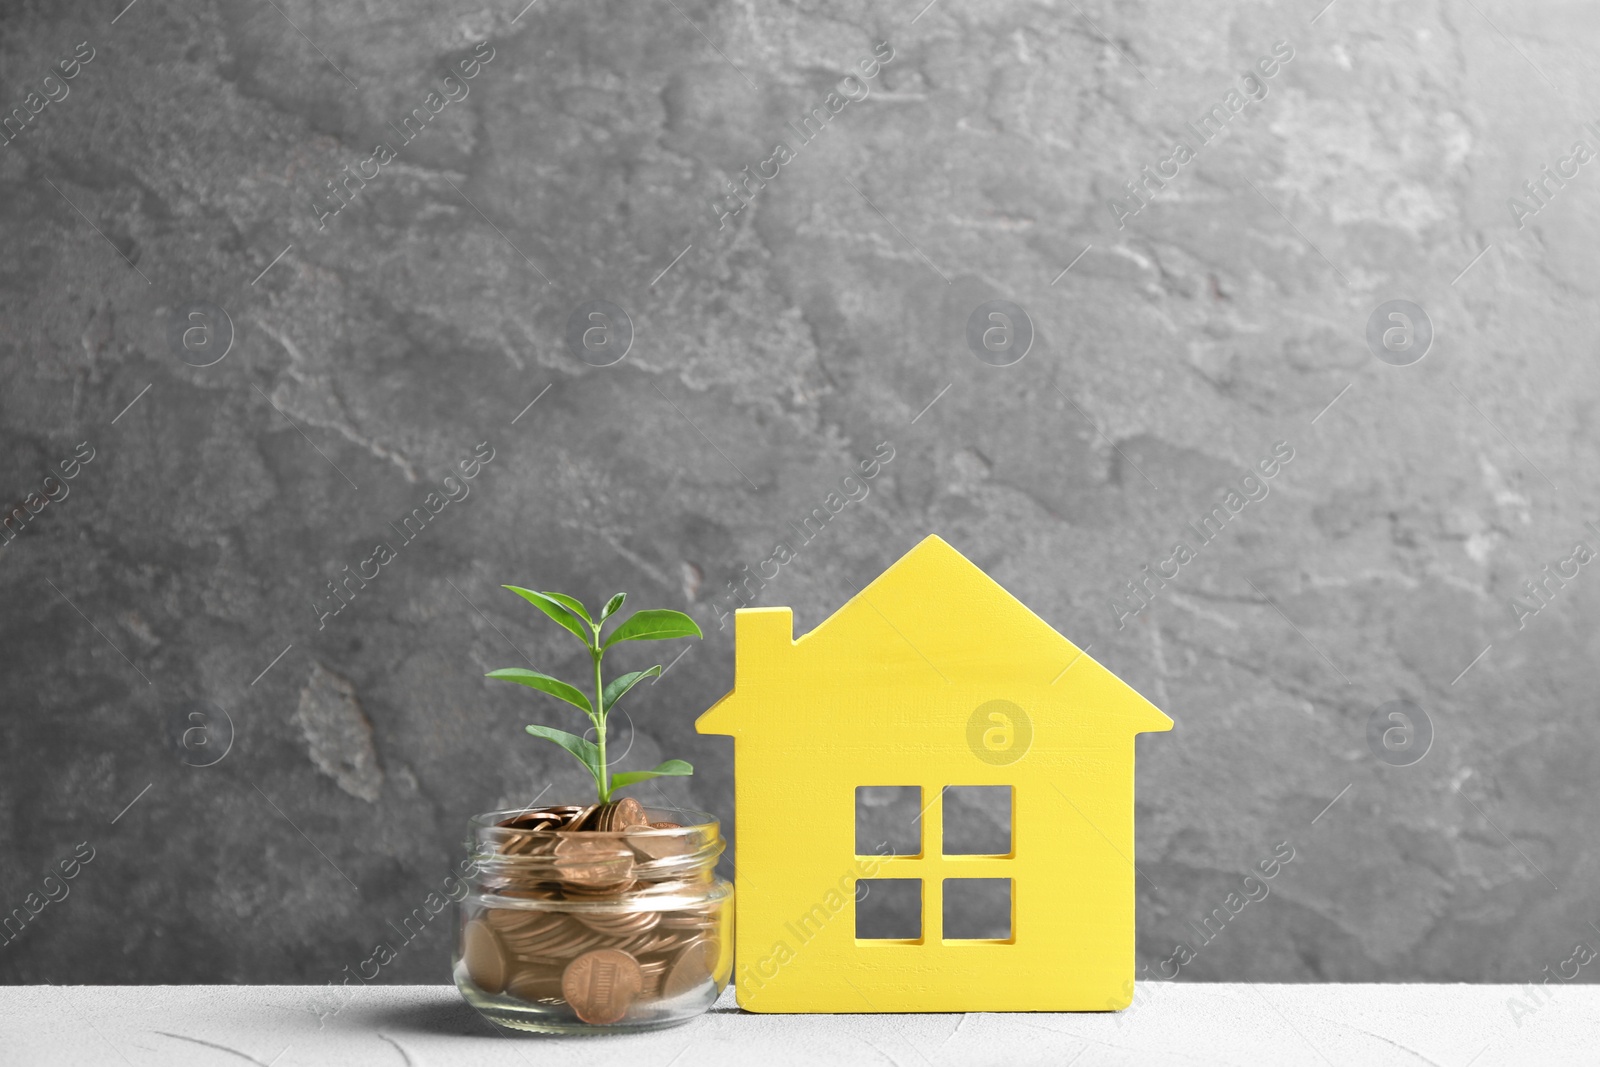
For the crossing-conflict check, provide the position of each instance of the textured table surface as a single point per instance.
(430, 1026)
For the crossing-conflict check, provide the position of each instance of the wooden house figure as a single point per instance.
(933, 676)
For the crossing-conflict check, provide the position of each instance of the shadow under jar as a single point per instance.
(589, 931)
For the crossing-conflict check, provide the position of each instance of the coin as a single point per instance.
(537, 819)
(516, 921)
(617, 815)
(692, 965)
(530, 892)
(619, 924)
(484, 956)
(655, 941)
(658, 846)
(523, 844)
(574, 891)
(650, 972)
(666, 826)
(601, 985)
(535, 983)
(586, 861)
(537, 939)
(629, 812)
(564, 941)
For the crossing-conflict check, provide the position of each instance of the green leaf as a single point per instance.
(544, 683)
(622, 683)
(557, 611)
(572, 604)
(655, 624)
(672, 768)
(586, 751)
(612, 606)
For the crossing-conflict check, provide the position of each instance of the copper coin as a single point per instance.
(568, 943)
(535, 983)
(693, 965)
(531, 892)
(545, 940)
(595, 890)
(651, 972)
(590, 862)
(533, 936)
(601, 985)
(622, 924)
(517, 922)
(629, 812)
(666, 826)
(484, 956)
(616, 815)
(650, 848)
(551, 942)
(538, 818)
(655, 941)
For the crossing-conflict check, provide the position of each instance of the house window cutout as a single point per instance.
(888, 820)
(889, 909)
(977, 820)
(977, 909)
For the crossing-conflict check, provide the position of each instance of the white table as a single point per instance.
(430, 1026)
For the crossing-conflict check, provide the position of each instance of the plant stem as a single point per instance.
(604, 784)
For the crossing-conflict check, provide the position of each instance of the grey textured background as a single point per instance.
(771, 356)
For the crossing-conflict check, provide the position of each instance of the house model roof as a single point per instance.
(930, 638)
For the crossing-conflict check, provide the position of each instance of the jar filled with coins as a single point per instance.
(601, 918)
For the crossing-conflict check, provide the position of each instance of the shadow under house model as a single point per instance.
(932, 676)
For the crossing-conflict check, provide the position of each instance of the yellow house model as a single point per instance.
(932, 677)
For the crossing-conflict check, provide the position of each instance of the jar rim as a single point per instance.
(636, 856)
(691, 820)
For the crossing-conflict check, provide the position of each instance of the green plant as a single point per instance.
(655, 624)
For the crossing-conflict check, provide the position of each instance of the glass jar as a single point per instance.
(582, 931)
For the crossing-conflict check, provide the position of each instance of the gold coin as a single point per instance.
(484, 956)
(601, 985)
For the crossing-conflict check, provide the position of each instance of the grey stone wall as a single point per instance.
(253, 378)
